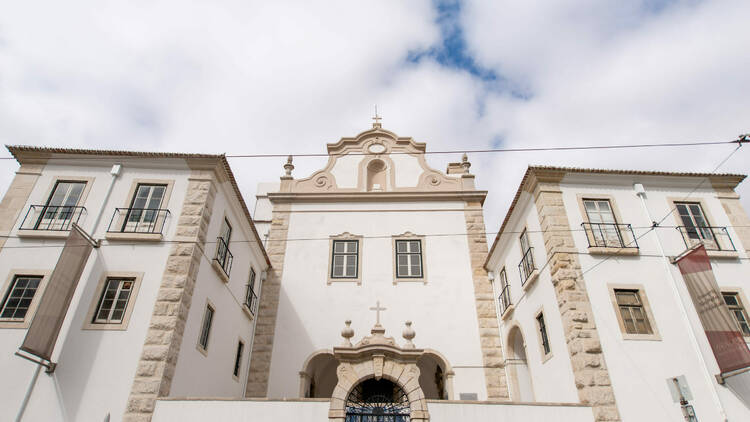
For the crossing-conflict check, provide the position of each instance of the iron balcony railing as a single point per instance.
(49, 217)
(504, 299)
(138, 220)
(251, 299)
(223, 255)
(610, 235)
(526, 267)
(713, 238)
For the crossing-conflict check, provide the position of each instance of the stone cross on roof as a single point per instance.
(376, 119)
(377, 308)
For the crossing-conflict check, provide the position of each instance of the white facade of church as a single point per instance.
(363, 289)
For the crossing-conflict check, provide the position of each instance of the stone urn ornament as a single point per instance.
(408, 334)
(347, 333)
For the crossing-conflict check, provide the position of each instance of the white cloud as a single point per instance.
(262, 77)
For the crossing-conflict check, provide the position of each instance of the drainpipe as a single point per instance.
(641, 193)
(263, 275)
(27, 396)
(114, 172)
(491, 276)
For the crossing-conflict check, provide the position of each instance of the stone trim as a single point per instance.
(737, 216)
(489, 335)
(360, 245)
(587, 360)
(641, 290)
(423, 256)
(156, 367)
(16, 197)
(26, 322)
(260, 359)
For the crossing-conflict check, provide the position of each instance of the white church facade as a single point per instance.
(364, 292)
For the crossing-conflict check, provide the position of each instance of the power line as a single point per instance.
(740, 141)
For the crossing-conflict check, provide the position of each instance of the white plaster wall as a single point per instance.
(96, 368)
(407, 170)
(639, 369)
(210, 375)
(540, 295)
(272, 411)
(311, 313)
(240, 411)
(346, 170)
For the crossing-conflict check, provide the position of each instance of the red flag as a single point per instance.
(726, 340)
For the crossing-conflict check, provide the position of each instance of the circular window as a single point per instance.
(376, 148)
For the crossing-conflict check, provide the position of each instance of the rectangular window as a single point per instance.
(738, 312)
(543, 333)
(226, 231)
(18, 298)
(60, 211)
(603, 224)
(409, 258)
(344, 260)
(250, 296)
(144, 208)
(223, 255)
(208, 319)
(505, 301)
(114, 301)
(524, 239)
(238, 358)
(694, 220)
(633, 315)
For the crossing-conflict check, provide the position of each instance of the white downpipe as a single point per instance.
(641, 193)
(114, 172)
(26, 397)
(500, 325)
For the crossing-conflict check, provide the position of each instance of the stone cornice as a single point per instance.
(404, 196)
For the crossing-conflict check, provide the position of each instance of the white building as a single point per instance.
(587, 303)
(160, 220)
(379, 295)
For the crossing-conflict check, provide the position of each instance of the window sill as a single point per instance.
(147, 237)
(105, 327)
(203, 351)
(332, 280)
(546, 357)
(531, 280)
(219, 271)
(409, 280)
(642, 337)
(723, 254)
(603, 250)
(15, 324)
(247, 312)
(507, 312)
(43, 234)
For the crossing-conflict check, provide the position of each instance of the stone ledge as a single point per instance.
(723, 254)
(531, 280)
(219, 271)
(247, 312)
(146, 237)
(508, 312)
(603, 250)
(43, 234)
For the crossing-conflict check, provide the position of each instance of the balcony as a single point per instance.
(137, 224)
(222, 262)
(716, 240)
(506, 305)
(527, 269)
(611, 238)
(251, 302)
(49, 220)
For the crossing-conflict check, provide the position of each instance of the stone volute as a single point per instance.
(377, 356)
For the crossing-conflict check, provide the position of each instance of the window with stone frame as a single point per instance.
(113, 302)
(18, 298)
(631, 310)
(544, 339)
(208, 319)
(736, 308)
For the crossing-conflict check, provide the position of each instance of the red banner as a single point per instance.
(726, 340)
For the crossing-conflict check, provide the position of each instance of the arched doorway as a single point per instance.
(520, 374)
(375, 400)
(318, 377)
(435, 376)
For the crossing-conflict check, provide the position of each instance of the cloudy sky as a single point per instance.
(287, 77)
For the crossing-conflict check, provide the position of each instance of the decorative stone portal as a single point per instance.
(377, 379)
